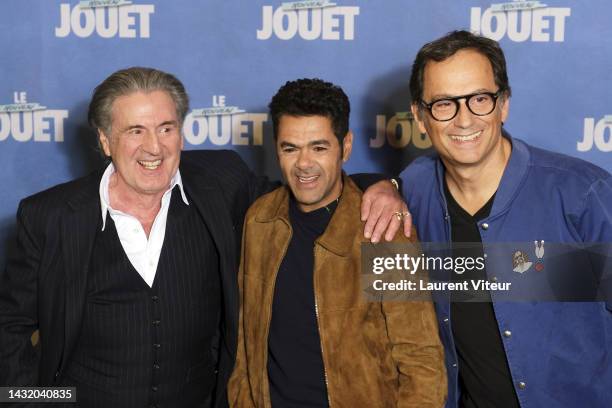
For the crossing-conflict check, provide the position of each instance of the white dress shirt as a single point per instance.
(143, 253)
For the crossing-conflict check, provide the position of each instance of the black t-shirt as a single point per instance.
(295, 362)
(484, 376)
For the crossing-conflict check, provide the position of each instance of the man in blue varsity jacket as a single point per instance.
(484, 187)
(129, 275)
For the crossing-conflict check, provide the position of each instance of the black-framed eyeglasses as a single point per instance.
(480, 104)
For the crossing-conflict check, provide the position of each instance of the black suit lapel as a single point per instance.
(208, 198)
(206, 194)
(78, 231)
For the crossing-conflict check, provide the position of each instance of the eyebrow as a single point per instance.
(127, 129)
(313, 143)
(448, 96)
(166, 123)
(319, 142)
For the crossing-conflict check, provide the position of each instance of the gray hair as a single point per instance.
(130, 80)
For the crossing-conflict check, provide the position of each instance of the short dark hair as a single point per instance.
(312, 97)
(445, 47)
(130, 80)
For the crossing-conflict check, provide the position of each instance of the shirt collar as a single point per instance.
(105, 198)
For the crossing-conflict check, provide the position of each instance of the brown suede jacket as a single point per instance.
(375, 354)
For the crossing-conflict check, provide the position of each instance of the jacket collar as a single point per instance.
(514, 175)
(86, 192)
(278, 209)
(338, 236)
(207, 195)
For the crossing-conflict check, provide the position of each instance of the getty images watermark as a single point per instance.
(473, 272)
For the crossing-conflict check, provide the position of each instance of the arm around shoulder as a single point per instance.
(231, 171)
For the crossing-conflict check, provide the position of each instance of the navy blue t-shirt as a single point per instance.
(295, 362)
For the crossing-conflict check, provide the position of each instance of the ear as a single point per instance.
(104, 142)
(505, 108)
(347, 146)
(417, 113)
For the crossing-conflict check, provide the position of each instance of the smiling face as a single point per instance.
(145, 143)
(311, 158)
(467, 140)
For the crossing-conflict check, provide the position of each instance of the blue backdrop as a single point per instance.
(235, 54)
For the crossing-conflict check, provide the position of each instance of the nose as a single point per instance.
(464, 118)
(304, 160)
(151, 143)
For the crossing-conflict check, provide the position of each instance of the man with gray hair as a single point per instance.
(129, 274)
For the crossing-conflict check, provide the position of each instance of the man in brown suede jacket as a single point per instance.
(308, 337)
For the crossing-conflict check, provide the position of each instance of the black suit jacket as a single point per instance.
(44, 284)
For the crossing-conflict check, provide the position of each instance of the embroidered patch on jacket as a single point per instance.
(520, 262)
(539, 251)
